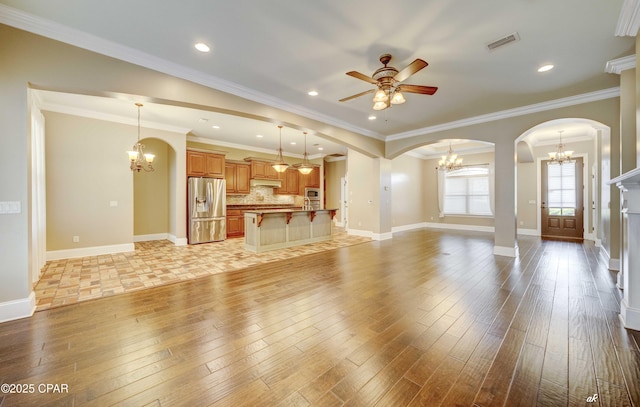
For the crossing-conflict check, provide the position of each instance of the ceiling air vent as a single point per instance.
(513, 37)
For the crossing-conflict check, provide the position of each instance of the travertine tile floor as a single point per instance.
(156, 263)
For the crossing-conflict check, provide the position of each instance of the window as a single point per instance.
(561, 189)
(467, 192)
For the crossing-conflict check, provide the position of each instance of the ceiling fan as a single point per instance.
(388, 87)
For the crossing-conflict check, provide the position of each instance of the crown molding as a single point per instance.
(91, 114)
(629, 20)
(620, 64)
(205, 140)
(46, 28)
(519, 111)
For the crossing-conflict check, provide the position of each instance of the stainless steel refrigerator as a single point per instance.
(207, 210)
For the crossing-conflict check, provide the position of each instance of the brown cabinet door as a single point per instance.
(243, 174)
(258, 170)
(230, 177)
(292, 181)
(215, 165)
(271, 172)
(235, 223)
(196, 163)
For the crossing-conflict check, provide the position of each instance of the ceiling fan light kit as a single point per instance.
(388, 82)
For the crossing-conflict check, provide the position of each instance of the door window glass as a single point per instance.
(561, 189)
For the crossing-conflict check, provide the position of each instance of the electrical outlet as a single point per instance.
(76, 239)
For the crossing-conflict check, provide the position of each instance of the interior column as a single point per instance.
(505, 239)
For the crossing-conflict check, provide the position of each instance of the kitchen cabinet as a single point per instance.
(263, 170)
(311, 180)
(290, 183)
(235, 223)
(237, 176)
(203, 164)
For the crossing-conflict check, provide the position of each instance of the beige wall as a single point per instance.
(333, 171)
(87, 169)
(407, 190)
(151, 192)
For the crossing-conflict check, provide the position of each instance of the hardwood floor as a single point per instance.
(427, 318)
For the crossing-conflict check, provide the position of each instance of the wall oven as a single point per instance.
(312, 196)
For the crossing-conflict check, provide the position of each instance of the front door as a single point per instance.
(562, 210)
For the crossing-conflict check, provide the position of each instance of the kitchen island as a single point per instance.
(278, 228)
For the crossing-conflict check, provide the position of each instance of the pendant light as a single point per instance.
(305, 167)
(280, 165)
(560, 155)
(140, 160)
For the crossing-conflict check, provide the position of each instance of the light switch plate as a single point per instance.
(9, 207)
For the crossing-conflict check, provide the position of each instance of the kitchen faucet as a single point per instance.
(307, 206)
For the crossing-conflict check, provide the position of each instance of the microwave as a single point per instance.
(312, 193)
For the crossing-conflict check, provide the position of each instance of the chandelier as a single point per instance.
(450, 161)
(140, 160)
(560, 156)
(280, 165)
(305, 167)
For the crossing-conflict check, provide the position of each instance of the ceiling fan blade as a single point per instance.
(357, 96)
(362, 77)
(424, 90)
(412, 68)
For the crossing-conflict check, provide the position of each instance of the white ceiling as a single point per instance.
(275, 52)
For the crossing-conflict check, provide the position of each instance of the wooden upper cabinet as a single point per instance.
(237, 177)
(290, 183)
(311, 180)
(263, 170)
(202, 164)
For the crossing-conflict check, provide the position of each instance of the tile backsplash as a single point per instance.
(260, 195)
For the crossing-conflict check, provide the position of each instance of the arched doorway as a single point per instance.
(585, 138)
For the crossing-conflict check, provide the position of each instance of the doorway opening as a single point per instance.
(562, 209)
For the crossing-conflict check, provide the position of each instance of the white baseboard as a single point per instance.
(629, 316)
(178, 241)
(404, 228)
(151, 237)
(528, 232)
(614, 264)
(90, 251)
(17, 309)
(361, 233)
(453, 226)
(598, 243)
(590, 236)
(506, 251)
(382, 236)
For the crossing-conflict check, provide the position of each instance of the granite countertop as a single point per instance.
(263, 206)
(286, 210)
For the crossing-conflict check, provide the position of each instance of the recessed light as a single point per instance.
(312, 93)
(202, 47)
(215, 126)
(259, 136)
(293, 143)
(545, 68)
(372, 117)
(320, 148)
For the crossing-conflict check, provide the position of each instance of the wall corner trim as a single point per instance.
(18, 309)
